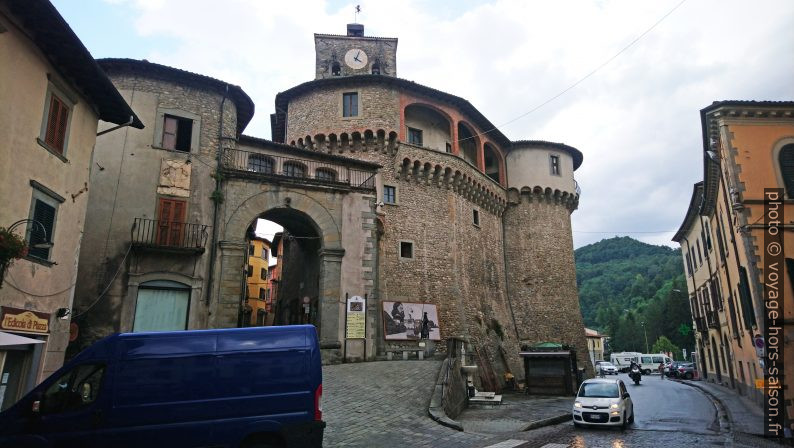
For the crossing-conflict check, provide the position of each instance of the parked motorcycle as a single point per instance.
(635, 375)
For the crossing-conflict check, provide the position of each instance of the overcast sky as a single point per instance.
(636, 119)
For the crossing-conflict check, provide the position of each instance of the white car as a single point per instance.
(607, 367)
(603, 402)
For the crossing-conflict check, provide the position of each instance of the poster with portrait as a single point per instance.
(404, 321)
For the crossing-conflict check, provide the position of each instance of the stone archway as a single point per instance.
(314, 214)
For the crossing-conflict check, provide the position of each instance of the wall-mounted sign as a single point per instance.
(355, 327)
(24, 321)
(410, 321)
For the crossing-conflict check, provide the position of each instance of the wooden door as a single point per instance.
(170, 222)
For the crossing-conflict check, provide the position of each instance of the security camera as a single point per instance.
(379, 204)
(63, 313)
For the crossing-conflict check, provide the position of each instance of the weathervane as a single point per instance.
(358, 10)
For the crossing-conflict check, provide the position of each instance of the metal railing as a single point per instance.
(712, 319)
(169, 234)
(700, 324)
(314, 171)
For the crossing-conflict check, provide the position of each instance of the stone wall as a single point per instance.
(330, 49)
(320, 112)
(542, 274)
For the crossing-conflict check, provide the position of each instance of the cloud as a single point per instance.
(636, 119)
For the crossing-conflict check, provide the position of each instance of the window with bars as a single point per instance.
(350, 104)
(261, 293)
(259, 163)
(325, 174)
(263, 274)
(294, 169)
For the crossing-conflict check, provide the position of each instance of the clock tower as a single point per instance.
(354, 54)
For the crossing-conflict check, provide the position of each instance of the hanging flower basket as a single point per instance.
(12, 247)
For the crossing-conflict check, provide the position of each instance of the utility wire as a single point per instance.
(592, 72)
(110, 283)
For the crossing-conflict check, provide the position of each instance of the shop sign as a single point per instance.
(25, 321)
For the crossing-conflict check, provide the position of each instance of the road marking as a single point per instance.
(508, 444)
(554, 445)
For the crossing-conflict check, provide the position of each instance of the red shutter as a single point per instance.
(171, 218)
(170, 126)
(57, 119)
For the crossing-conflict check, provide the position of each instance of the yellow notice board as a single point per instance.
(355, 327)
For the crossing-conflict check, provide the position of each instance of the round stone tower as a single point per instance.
(541, 273)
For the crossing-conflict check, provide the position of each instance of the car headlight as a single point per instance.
(614, 406)
(577, 405)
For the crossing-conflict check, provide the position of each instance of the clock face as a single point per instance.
(356, 59)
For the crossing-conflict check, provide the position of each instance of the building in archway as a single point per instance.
(387, 189)
(258, 301)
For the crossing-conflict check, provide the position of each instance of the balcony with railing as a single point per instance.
(169, 236)
(700, 324)
(712, 319)
(300, 170)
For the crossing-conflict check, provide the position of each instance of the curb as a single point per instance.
(435, 408)
(723, 415)
(547, 422)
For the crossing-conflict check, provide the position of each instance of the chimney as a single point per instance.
(355, 30)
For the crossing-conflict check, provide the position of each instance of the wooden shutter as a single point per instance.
(171, 218)
(57, 119)
(170, 126)
(786, 160)
(45, 214)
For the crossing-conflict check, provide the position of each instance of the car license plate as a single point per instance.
(597, 417)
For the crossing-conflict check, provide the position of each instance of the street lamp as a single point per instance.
(46, 244)
(646, 337)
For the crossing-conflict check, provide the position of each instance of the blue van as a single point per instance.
(242, 387)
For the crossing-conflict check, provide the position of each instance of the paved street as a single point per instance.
(383, 404)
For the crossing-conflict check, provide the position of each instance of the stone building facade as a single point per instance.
(748, 151)
(387, 190)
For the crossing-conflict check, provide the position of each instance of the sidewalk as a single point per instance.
(518, 412)
(744, 415)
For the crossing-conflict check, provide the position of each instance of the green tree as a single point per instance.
(663, 345)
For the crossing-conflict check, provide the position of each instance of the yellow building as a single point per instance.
(595, 344)
(52, 97)
(258, 308)
(748, 153)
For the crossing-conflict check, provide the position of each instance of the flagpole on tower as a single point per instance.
(358, 10)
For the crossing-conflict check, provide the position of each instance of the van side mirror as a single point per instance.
(626, 395)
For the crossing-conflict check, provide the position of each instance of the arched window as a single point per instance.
(294, 169)
(161, 306)
(336, 69)
(259, 163)
(325, 174)
(786, 160)
(376, 68)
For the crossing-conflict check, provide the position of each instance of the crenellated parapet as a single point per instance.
(569, 200)
(367, 141)
(441, 170)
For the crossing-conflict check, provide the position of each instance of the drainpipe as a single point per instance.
(128, 123)
(214, 242)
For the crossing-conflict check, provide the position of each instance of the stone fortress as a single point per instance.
(387, 189)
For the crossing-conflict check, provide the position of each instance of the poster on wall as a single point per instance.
(355, 327)
(410, 321)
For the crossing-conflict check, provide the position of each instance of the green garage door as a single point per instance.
(161, 306)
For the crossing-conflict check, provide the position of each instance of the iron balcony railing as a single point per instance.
(169, 234)
(700, 324)
(290, 168)
(712, 319)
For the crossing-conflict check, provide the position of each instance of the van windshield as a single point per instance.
(599, 390)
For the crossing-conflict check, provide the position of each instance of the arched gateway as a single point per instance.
(321, 214)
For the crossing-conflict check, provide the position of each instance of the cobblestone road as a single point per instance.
(384, 404)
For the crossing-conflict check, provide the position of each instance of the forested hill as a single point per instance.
(624, 282)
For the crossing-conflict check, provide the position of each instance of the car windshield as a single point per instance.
(599, 390)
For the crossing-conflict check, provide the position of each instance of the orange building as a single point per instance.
(258, 297)
(737, 241)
